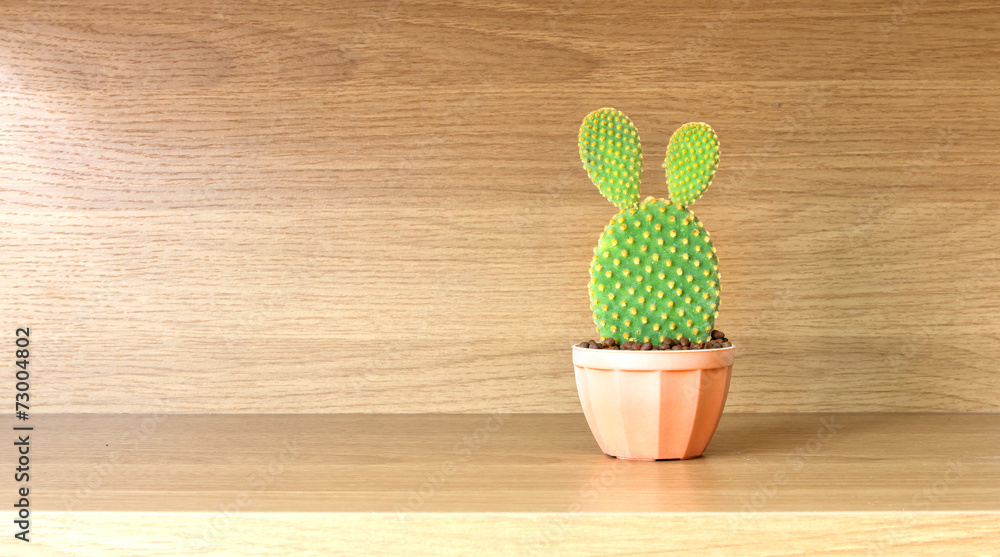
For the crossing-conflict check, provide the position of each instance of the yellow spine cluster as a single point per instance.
(685, 277)
(612, 155)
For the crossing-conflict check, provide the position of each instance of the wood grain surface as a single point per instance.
(515, 484)
(314, 207)
(931, 534)
(510, 463)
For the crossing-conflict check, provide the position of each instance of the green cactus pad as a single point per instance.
(612, 155)
(692, 157)
(654, 275)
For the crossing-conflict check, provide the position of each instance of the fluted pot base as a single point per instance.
(653, 405)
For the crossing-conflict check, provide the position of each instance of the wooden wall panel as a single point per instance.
(309, 207)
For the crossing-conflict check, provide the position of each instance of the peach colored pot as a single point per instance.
(650, 405)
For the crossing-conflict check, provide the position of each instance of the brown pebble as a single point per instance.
(718, 340)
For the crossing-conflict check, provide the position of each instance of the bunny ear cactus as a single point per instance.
(692, 157)
(612, 155)
(654, 274)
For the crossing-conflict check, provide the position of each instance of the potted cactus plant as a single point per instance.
(654, 386)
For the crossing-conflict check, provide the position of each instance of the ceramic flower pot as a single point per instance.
(652, 405)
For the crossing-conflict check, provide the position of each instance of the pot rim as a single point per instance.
(699, 350)
(653, 360)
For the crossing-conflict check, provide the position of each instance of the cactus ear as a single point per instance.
(692, 157)
(612, 155)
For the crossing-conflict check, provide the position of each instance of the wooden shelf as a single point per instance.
(927, 478)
